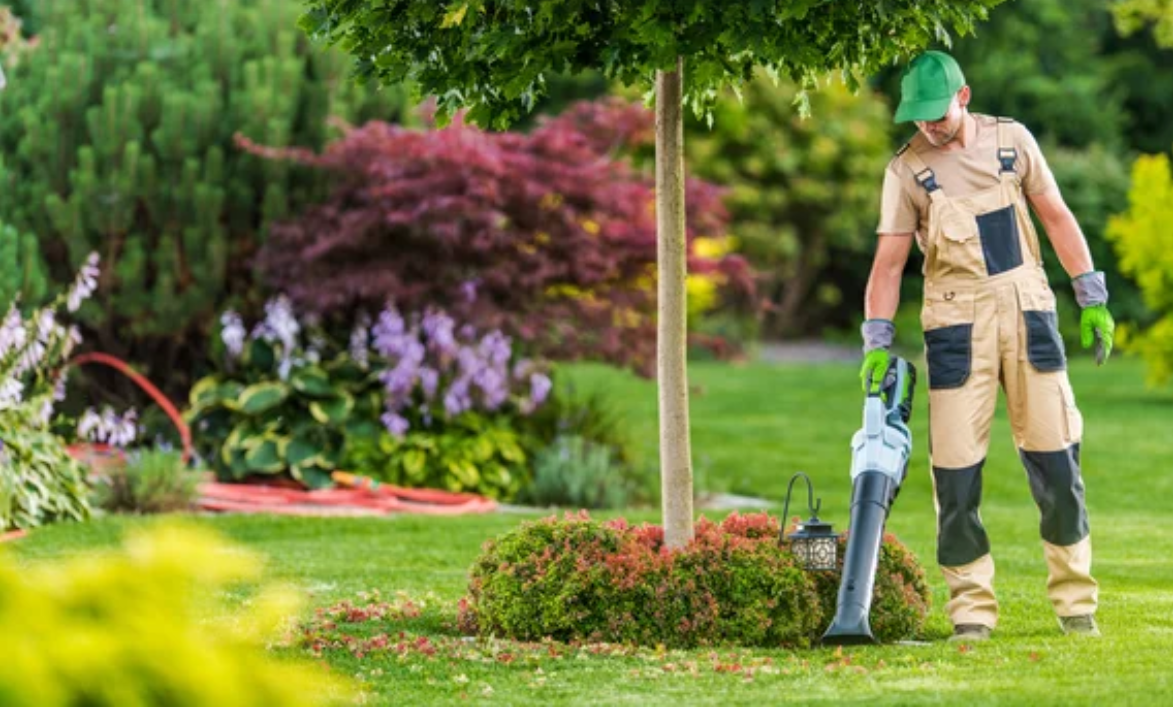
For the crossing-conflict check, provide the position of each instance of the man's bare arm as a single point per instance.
(1063, 231)
(883, 292)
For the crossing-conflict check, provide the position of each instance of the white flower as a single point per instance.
(33, 354)
(85, 284)
(12, 334)
(46, 412)
(10, 393)
(232, 333)
(88, 424)
(108, 427)
(280, 324)
(72, 339)
(46, 325)
(360, 340)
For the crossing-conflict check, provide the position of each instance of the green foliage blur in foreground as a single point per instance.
(753, 427)
(129, 628)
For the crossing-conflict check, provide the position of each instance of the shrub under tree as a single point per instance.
(582, 579)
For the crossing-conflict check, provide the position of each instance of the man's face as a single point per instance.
(943, 131)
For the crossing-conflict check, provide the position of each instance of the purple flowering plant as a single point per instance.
(435, 370)
(296, 395)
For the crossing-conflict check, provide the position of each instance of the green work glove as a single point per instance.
(877, 338)
(1096, 325)
(875, 365)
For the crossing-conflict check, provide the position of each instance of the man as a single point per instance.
(961, 188)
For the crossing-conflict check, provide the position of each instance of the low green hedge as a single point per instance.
(578, 579)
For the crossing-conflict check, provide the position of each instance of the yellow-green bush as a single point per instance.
(1142, 236)
(139, 627)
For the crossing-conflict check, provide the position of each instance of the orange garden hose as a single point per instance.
(365, 498)
(360, 495)
(148, 388)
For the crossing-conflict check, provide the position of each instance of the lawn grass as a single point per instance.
(752, 427)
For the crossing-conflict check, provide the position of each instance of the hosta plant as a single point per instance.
(472, 452)
(402, 394)
(39, 481)
(280, 405)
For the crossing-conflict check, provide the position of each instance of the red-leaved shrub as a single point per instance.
(581, 579)
(900, 600)
(547, 235)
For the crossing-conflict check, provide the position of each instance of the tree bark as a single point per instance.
(672, 372)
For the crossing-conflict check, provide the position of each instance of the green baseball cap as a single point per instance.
(928, 87)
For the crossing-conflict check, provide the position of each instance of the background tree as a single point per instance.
(117, 136)
(1141, 237)
(801, 193)
(1041, 62)
(493, 56)
(1132, 15)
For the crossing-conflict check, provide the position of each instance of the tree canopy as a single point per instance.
(494, 57)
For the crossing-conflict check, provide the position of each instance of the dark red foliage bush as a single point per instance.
(579, 579)
(547, 235)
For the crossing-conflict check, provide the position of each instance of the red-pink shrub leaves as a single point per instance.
(546, 235)
(580, 579)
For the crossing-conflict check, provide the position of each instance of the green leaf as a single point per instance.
(332, 411)
(414, 465)
(259, 355)
(313, 476)
(510, 450)
(212, 392)
(265, 457)
(260, 397)
(312, 381)
(482, 449)
(465, 472)
(454, 17)
(301, 450)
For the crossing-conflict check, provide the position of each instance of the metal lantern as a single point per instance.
(814, 542)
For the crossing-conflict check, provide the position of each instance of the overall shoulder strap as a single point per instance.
(920, 171)
(1007, 153)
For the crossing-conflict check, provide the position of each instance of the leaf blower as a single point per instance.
(879, 463)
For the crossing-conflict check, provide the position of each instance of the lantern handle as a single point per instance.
(810, 501)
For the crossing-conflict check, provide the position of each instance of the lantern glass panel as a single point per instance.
(802, 549)
(821, 555)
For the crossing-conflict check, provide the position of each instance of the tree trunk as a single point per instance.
(675, 456)
(789, 318)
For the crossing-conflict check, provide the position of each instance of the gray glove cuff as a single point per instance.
(877, 334)
(1090, 289)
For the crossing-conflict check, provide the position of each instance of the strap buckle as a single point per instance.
(1007, 156)
(930, 182)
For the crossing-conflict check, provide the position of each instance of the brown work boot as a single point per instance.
(1083, 625)
(970, 633)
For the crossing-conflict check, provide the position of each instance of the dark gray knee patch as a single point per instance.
(961, 539)
(1057, 486)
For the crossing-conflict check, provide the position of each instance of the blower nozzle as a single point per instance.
(880, 452)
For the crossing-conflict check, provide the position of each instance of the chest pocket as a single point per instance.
(955, 223)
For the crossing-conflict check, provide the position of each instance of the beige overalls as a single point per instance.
(989, 319)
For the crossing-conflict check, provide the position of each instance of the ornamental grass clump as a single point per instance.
(578, 579)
